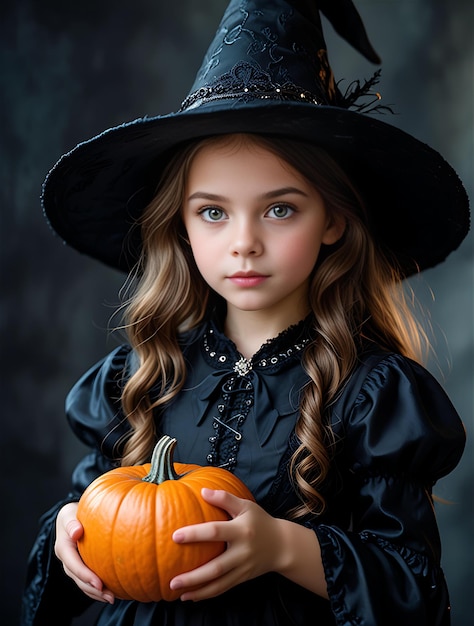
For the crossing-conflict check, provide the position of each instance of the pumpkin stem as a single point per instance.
(162, 462)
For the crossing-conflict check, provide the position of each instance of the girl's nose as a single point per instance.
(246, 240)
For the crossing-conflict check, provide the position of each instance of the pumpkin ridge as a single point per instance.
(95, 515)
(127, 562)
(119, 590)
(156, 562)
(143, 575)
(170, 555)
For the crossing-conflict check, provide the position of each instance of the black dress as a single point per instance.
(397, 434)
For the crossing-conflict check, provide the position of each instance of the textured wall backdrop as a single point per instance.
(70, 70)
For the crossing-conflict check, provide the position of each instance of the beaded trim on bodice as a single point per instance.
(219, 350)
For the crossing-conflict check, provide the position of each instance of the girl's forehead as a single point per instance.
(239, 147)
(231, 143)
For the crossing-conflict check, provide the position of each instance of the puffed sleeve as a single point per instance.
(399, 434)
(93, 406)
(93, 409)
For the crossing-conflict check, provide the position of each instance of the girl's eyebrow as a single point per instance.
(274, 193)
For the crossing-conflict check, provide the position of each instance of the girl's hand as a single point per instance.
(252, 537)
(68, 531)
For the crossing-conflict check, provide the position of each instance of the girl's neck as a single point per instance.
(249, 330)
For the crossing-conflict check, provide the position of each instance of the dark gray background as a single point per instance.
(70, 70)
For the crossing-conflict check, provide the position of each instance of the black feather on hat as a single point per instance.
(265, 72)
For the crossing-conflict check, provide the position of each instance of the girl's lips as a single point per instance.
(247, 280)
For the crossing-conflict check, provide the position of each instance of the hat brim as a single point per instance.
(417, 205)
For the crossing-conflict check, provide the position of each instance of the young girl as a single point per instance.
(269, 333)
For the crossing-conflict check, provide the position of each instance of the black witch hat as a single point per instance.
(265, 72)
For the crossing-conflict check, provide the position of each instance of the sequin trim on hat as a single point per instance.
(247, 82)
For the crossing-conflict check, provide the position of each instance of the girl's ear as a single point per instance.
(334, 230)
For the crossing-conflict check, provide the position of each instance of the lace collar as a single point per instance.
(220, 352)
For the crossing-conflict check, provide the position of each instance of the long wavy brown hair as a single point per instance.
(355, 294)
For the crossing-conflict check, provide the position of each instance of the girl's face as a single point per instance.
(255, 226)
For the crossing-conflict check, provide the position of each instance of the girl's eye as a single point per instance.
(280, 211)
(212, 214)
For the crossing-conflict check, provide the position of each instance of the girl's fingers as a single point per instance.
(213, 531)
(207, 581)
(224, 500)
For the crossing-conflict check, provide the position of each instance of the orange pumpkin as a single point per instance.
(130, 513)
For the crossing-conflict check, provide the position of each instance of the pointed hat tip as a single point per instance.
(348, 23)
